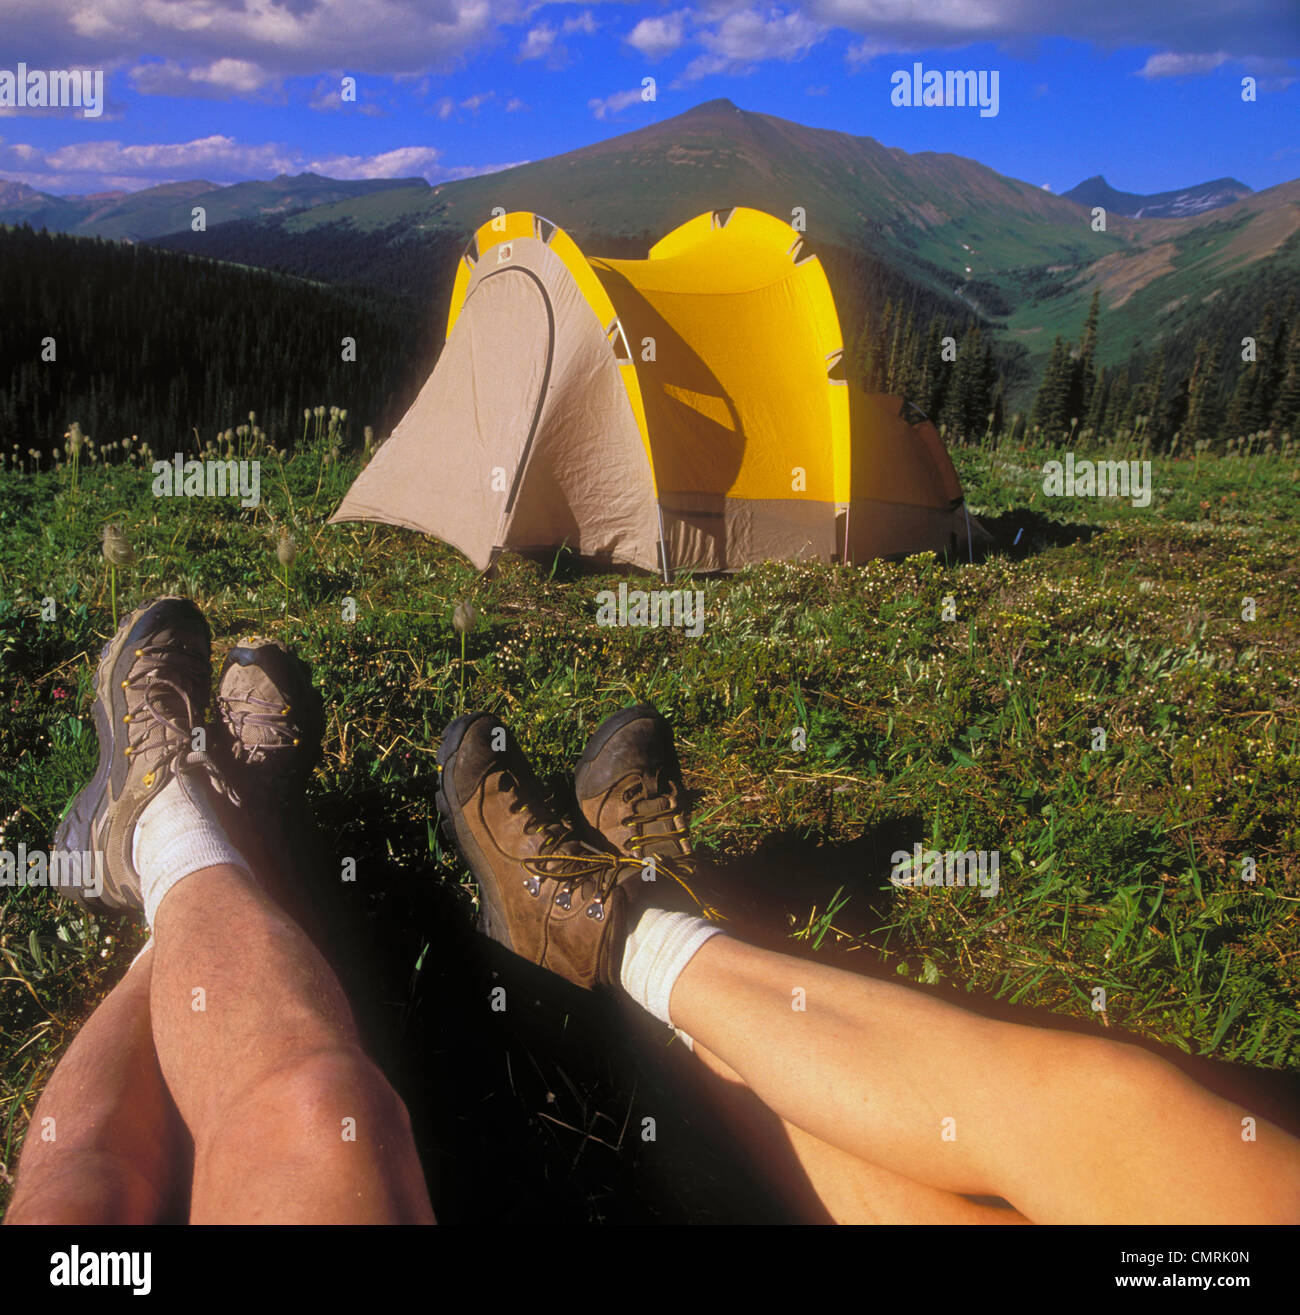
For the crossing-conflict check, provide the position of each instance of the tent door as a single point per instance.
(521, 337)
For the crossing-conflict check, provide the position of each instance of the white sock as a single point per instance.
(178, 834)
(658, 948)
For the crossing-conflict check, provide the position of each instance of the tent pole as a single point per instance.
(663, 541)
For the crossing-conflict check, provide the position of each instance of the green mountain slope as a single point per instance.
(154, 211)
(1012, 253)
(851, 190)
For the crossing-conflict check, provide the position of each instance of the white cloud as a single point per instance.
(189, 43)
(327, 98)
(611, 105)
(478, 170)
(1245, 29)
(1169, 64)
(539, 42)
(746, 38)
(249, 47)
(222, 77)
(119, 166)
(404, 162)
(863, 52)
(446, 108)
(514, 104)
(660, 36)
(91, 166)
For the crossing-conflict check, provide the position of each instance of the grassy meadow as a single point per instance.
(1121, 867)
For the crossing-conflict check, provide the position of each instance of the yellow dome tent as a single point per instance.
(688, 410)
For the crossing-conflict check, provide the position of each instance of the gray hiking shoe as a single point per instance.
(269, 724)
(151, 690)
(270, 721)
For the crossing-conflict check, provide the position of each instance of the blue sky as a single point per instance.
(1147, 93)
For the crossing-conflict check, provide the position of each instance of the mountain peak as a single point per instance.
(1176, 204)
(719, 105)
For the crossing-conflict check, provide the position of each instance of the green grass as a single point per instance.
(1120, 868)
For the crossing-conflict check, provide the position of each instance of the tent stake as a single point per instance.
(663, 541)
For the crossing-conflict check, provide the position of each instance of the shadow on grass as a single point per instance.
(1023, 532)
(532, 1100)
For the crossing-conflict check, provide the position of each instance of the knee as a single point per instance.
(83, 1186)
(1120, 1072)
(335, 1093)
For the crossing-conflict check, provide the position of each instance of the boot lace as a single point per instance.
(154, 727)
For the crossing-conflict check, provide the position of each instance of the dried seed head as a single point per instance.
(116, 547)
(464, 618)
(286, 548)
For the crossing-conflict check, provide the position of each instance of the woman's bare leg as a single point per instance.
(1065, 1127)
(847, 1189)
(114, 1150)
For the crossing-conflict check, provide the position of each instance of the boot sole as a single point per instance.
(491, 920)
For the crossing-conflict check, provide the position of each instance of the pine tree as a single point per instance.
(1117, 412)
(1100, 398)
(1247, 408)
(1279, 351)
(1202, 422)
(1285, 416)
(1084, 378)
(1052, 402)
(941, 371)
(1149, 401)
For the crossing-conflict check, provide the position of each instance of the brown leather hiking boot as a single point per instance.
(151, 690)
(543, 893)
(630, 798)
(629, 790)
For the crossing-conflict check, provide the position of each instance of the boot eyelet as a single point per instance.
(532, 886)
(596, 911)
(565, 899)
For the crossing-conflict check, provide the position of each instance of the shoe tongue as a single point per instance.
(163, 709)
(660, 823)
(259, 702)
(160, 663)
